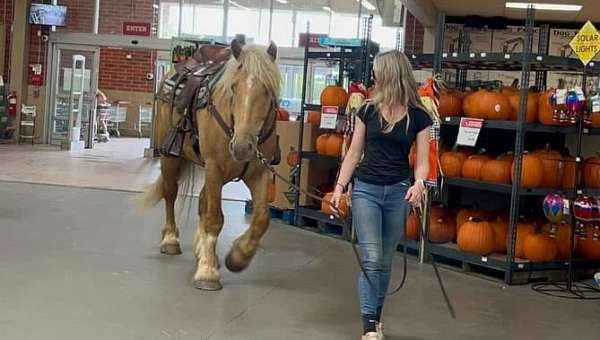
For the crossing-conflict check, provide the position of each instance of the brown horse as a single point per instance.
(245, 98)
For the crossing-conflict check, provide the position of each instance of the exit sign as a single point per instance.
(136, 28)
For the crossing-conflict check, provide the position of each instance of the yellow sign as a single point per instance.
(586, 44)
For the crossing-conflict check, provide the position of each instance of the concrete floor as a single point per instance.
(80, 263)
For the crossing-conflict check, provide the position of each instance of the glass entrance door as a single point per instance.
(73, 95)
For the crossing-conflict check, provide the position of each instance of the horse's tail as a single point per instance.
(153, 195)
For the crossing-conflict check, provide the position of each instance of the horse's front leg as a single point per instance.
(245, 246)
(207, 275)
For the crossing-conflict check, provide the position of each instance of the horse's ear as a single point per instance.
(272, 50)
(236, 48)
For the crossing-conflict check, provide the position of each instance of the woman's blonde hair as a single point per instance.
(396, 84)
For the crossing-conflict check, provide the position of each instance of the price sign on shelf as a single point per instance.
(329, 117)
(468, 131)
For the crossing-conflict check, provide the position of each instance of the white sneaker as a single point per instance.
(370, 336)
(380, 331)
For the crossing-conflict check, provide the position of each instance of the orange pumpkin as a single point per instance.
(540, 247)
(472, 166)
(283, 114)
(452, 162)
(334, 95)
(321, 143)
(441, 229)
(496, 171)
(500, 226)
(545, 109)
(314, 118)
(589, 247)
(293, 158)
(334, 145)
(327, 209)
(523, 230)
(595, 120)
(476, 236)
(487, 105)
(271, 191)
(371, 91)
(552, 161)
(465, 214)
(509, 156)
(451, 104)
(562, 237)
(532, 106)
(532, 171)
(591, 172)
(569, 172)
(413, 227)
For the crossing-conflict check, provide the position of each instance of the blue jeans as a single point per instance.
(379, 214)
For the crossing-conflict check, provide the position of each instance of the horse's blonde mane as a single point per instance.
(255, 61)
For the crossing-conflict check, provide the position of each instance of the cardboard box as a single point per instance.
(313, 173)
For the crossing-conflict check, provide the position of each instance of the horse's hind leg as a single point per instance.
(245, 246)
(170, 172)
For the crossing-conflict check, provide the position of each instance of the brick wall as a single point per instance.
(120, 73)
(414, 35)
(116, 72)
(6, 17)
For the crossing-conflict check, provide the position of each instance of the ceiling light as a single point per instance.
(545, 7)
(327, 9)
(282, 1)
(235, 4)
(155, 6)
(366, 4)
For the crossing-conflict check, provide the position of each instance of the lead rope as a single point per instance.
(270, 167)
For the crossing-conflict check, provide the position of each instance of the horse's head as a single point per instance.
(252, 82)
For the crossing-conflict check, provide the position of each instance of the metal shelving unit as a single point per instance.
(525, 62)
(361, 58)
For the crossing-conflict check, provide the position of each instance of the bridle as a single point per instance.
(265, 133)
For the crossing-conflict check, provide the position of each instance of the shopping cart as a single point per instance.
(118, 114)
(144, 125)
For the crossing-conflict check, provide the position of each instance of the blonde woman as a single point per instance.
(382, 192)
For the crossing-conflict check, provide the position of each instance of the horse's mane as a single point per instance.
(255, 61)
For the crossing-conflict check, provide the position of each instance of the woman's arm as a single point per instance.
(414, 193)
(353, 155)
(350, 161)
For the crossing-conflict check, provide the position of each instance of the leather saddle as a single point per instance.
(191, 82)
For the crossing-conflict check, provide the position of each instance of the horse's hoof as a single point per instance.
(170, 249)
(232, 265)
(208, 285)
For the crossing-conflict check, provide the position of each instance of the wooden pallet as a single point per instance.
(286, 215)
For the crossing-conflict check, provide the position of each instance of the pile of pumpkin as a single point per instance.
(541, 168)
(482, 232)
(501, 104)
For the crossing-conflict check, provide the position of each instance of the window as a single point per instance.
(344, 25)
(169, 19)
(282, 31)
(385, 36)
(319, 22)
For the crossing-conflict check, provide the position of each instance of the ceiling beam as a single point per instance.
(424, 10)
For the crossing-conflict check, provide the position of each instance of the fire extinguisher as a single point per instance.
(12, 104)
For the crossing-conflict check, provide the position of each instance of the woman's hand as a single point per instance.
(336, 198)
(414, 193)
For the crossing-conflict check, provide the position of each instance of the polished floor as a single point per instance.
(81, 263)
(117, 165)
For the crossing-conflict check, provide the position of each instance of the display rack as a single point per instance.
(361, 59)
(513, 270)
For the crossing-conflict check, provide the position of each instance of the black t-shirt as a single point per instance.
(385, 159)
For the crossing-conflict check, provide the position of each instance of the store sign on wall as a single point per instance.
(586, 43)
(313, 40)
(136, 28)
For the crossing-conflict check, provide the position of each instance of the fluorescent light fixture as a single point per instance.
(366, 4)
(545, 6)
(282, 1)
(235, 4)
(327, 9)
